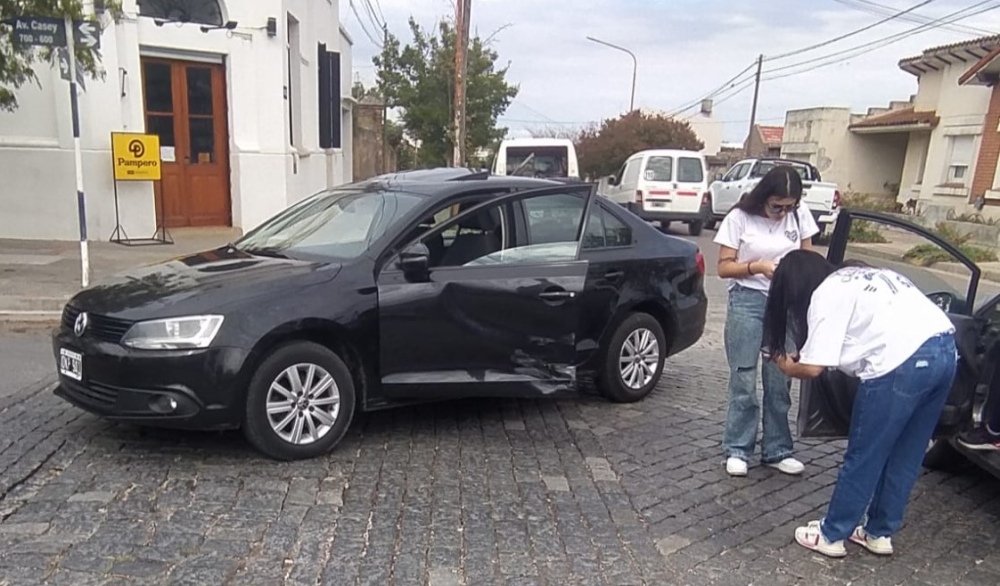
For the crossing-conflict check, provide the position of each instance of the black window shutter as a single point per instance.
(329, 99)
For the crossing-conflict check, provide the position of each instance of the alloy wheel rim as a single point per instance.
(303, 403)
(639, 358)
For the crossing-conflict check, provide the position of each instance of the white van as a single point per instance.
(663, 185)
(549, 158)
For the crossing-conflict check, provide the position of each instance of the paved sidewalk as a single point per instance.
(37, 277)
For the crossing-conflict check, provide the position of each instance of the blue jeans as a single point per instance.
(893, 418)
(744, 332)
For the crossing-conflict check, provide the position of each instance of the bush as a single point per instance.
(865, 233)
(926, 255)
(870, 203)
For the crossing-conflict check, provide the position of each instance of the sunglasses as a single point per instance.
(777, 209)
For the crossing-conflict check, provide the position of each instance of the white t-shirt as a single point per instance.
(757, 238)
(868, 321)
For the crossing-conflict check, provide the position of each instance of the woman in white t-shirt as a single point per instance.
(763, 227)
(873, 324)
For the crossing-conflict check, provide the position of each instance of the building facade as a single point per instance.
(250, 100)
(764, 141)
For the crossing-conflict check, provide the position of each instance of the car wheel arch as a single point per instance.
(660, 311)
(328, 334)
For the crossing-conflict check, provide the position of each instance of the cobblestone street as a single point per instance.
(471, 492)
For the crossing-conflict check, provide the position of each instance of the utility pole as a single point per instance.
(635, 66)
(753, 110)
(462, 10)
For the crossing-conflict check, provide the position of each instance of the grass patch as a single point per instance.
(925, 255)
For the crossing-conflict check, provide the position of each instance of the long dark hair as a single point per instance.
(798, 275)
(780, 181)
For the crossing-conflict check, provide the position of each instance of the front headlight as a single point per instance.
(179, 333)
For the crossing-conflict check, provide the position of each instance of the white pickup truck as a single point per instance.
(822, 198)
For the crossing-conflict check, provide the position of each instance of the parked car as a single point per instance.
(416, 287)
(826, 402)
(663, 186)
(822, 198)
(548, 158)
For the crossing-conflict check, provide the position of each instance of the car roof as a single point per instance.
(446, 181)
(658, 152)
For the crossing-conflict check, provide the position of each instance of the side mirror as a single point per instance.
(612, 180)
(415, 258)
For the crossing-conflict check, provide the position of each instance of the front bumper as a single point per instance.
(191, 389)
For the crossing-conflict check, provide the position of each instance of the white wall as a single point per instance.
(962, 110)
(37, 196)
(709, 131)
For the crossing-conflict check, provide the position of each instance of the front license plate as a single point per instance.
(71, 364)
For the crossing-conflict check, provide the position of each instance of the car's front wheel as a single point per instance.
(300, 402)
(634, 361)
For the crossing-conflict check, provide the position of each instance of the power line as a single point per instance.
(361, 23)
(728, 84)
(379, 25)
(882, 10)
(850, 34)
(885, 41)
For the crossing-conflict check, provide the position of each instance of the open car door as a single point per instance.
(826, 402)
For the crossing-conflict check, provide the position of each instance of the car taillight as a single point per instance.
(638, 196)
(836, 199)
(700, 260)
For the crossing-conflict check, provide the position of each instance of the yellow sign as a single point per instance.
(136, 156)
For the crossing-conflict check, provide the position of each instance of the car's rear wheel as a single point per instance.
(300, 402)
(634, 360)
(694, 228)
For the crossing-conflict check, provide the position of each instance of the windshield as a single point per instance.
(339, 224)
(538, 161)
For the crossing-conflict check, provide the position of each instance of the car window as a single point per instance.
(604, 230)
(931, 268)
(731, 174)
(742, 171)
(690, 170)
(336, 224)
(553, 224)
(763, 167)
(659, 169)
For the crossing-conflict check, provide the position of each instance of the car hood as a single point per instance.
(209, 281)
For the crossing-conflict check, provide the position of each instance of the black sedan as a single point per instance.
(407, 288)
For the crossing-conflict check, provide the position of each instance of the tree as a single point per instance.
(17, 63)
(602, 150)
(418, 80)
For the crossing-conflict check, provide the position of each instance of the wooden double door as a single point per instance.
(185, 104)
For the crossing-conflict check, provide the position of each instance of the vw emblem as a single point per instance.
(80, 326)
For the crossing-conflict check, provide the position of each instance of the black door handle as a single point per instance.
(613, 275)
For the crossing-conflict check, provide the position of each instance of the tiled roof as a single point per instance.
(986, 60)
(901, 117)
(954, 53)
(771, 134)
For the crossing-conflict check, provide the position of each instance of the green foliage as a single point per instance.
(865, 233)
(602, 150)
(17, 64)
(926, 255)
(976, 218)
(856, 201)
(418, 80)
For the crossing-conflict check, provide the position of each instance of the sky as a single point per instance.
(686, 50)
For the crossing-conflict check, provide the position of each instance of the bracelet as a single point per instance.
(749, 270)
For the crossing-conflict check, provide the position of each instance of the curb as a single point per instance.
(988, 274)
(30, 317)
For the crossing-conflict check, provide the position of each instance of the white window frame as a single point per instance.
(958, 166)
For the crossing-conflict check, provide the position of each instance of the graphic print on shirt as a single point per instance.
(792, 235)
(875, 276)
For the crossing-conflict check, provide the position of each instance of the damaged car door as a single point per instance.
(495, 311)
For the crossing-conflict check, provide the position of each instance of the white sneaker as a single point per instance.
(810, 537)
(736, 467)
(788, 466)
(876, 545)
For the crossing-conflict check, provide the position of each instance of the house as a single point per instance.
(834, 140)
(251, 102)
(764, 141)
(985, 186)
(706, 127)
(944, 127)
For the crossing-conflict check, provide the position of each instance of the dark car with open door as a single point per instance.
(402, 289)
(955, 283)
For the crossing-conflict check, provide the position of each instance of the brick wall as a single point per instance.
(989, 148)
